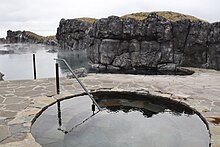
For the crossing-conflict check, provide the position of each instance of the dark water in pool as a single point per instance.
(122, 123)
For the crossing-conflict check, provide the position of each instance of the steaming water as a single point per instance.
(121, 124)
(18, 66)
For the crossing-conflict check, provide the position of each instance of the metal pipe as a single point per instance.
(81, 84)
(57, 78)
(59, 113)
(34, 67)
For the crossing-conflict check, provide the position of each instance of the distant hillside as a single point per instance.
(29, 37)
(173, 16)
(34, 35)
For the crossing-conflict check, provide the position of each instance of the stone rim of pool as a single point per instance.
(158, 99)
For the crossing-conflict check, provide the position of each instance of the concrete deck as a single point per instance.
(20, 101)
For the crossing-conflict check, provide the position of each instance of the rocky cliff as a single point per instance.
(150, 41)
(72, 34)
(29, 37)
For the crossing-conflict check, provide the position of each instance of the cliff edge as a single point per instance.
(144, 40)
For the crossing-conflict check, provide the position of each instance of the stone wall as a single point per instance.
(154, 42)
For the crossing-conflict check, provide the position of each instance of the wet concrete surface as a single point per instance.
(21, 100)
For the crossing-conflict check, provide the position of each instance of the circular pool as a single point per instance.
(126, 120)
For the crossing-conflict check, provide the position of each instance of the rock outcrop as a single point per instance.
(2, 40)
(29, 37)
(3, 52)
(79, 72)
(73, 34)
(1, 76)
(151, 42)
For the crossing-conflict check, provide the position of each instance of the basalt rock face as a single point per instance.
(154, 42)
(214, 46)
(29, 37)
(73, 34)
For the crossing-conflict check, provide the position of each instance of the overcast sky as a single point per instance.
(43, 16)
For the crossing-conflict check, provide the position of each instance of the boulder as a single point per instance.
(122, 61)
(53, 50)
(97, 67)
(2, 40)
(167, 67)
(1, 76)
(6, 52)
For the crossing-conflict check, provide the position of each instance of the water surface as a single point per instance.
(19, 65)
(122, 123)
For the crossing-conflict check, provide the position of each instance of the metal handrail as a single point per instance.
(81, 84)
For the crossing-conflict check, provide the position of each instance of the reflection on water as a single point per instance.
(123, 122)
(19, 66)
(76, 59)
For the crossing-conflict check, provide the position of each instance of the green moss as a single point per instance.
(173, 16)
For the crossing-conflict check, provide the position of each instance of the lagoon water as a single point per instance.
(19, 65)
(122, 123)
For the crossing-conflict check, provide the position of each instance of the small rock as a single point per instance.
(80, 72)
(94, 67)
(112, 68)
(167, 67)
(205, 110)
(52, 51)
(102, 67)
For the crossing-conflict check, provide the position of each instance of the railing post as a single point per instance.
(34, 67)
(57, 78)
(80, 83)
(59, 113)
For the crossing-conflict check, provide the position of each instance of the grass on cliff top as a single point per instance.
(31, 34)
(173, 16)
(39, 37)
(87, 19)
(52, 37)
